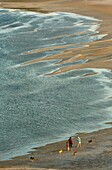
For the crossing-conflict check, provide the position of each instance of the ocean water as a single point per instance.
(37, 108)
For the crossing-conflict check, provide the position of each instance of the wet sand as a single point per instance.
(94, 156)
(95, 54)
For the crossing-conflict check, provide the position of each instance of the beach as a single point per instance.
(95, 155)
(98, 54)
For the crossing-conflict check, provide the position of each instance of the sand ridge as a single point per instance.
(98, 54)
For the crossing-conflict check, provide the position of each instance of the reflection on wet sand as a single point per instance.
(96, 54)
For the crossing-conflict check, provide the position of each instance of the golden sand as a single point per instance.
(97, 54)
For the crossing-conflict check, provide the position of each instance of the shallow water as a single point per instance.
(36, 109)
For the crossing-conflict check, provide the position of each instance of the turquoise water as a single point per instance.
(36, 109)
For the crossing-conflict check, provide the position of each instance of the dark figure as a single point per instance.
(70, 142)
(90, 140)
(32, 158)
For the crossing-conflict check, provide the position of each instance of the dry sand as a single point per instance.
(98, 154)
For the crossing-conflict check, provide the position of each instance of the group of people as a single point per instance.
(69, 143)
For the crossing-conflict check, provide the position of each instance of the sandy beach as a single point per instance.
(95, 155)
(91, 156)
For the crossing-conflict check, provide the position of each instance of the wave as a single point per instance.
(36, 104)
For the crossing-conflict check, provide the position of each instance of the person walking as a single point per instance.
(79, 141)
(70, 143)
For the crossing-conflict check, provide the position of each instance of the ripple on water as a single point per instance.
(37, 108)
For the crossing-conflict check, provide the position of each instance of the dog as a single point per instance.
(32, 158)
(90, 140)
(74, 154)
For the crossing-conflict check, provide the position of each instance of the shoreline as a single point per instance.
(97, 54)
(97, 155)
(107, 125)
